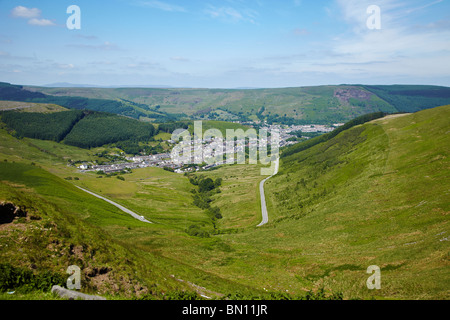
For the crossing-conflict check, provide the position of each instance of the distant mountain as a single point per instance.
(69, 85)
(73, 85)
(298, 105)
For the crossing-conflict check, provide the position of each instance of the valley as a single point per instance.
(375, 194)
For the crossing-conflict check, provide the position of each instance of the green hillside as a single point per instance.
(320, 104)
(301, 105)
(323, 104)
(10, 92)
(61, 228)
(375, 194)
(412, 98)
(57, 225)
(44, 126)
(84, 129)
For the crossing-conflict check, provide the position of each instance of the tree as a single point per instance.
(206, 185)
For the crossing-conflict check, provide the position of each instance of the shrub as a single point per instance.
(196, 231)
(181, 295)
(25, 280)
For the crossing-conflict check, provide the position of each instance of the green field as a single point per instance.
(376, 194)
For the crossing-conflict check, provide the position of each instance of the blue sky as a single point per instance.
(225, 44)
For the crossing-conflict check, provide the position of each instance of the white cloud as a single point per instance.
(399, 48)
(301, 32)
(33, 15)
(105, 46)
(23, 12)
(231, 14)
(64, 66)
(161, 6)
(40, 22)
(424, 6)
(180, 59)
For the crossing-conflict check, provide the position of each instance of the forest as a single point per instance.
(97, 129)
(406, 98)
(83, 129)
(43, 126)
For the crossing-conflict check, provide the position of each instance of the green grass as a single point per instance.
(380, 198)
(222, 126)
(77, 219)
(239, 198)
(376, 194)
(161, 196)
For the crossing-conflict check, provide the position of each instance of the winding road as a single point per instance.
(134, 215)
(265, 215)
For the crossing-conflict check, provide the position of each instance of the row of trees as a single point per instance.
(170, 127)
(206, 188)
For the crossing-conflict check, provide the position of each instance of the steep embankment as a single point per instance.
(57, 225)
(376, 194)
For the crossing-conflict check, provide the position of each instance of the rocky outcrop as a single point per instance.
(74, 295)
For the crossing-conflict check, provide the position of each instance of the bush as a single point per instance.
(196, 231)
(13, 278)
(181, 295)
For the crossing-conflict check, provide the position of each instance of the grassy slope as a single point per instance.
(376, 194)
(122, 243)
(68, 233)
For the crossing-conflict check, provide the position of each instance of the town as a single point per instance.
(203, 154)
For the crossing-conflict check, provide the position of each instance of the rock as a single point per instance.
(9, 212)
(74, 295)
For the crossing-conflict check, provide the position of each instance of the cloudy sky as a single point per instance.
(225, 44)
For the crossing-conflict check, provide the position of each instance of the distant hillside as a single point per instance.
(44, 126)
(30, 107)
(412, 98)
(19, 93)
(98, 129)
(302, 105)
(84, 129)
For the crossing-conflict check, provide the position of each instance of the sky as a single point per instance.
(225, 44)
